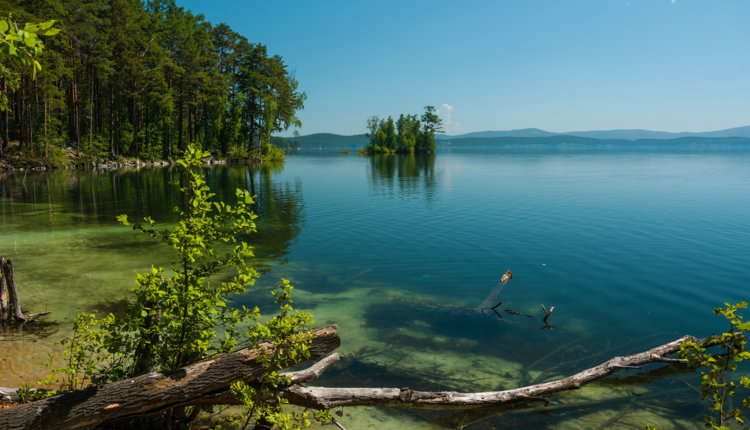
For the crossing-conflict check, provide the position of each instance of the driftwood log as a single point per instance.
(150, 393)
(10, 303)
(207, 383)
(326, 398)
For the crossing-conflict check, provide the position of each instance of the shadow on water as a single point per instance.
(278, 205)
(359, 370)
(116, 307)
(488, 334)
(68, 199)
(39, 329)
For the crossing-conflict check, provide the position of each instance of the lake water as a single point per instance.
(632, 248)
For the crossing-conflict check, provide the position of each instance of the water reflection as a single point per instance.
(89, 198)
(278, 204)
(59, 200)
(408, 175)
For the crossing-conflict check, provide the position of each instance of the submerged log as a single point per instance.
(491, 298)
(150, 393)
(10, 303)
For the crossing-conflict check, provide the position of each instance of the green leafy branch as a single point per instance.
(21, 46)
(716, 382)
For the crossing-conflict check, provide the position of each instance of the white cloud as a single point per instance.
(450, 126)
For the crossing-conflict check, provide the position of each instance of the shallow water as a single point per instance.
(633, 248)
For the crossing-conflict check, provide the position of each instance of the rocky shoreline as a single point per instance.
(74, 162)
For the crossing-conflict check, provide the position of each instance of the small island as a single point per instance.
(409, 135)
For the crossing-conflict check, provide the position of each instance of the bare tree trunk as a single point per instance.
(10, 303)
(13, 302)
(3, 298)
(112, 124)
(91, 111)
(6, 132)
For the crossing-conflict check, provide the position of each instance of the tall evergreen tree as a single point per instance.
(126, 77)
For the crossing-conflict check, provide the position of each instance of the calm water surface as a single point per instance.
(633, 249)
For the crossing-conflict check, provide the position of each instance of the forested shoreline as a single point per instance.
(137, 79)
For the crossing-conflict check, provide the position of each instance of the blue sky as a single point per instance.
(672, 65)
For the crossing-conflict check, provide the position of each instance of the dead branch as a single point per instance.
(327, 398)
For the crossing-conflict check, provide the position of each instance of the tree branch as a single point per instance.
(327, 398)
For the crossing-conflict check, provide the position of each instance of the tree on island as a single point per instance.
(408, 135)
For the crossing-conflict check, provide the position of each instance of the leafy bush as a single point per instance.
(186, 317)
(716, 382)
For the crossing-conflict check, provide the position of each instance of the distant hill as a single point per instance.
(563, 141)
(634, 134)
(534, 136)
(524, 132)
(327, 140)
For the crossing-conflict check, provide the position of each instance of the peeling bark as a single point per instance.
(150, 393)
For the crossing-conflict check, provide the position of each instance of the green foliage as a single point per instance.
(272, 153)
(48, 154)
(19, 47)
(237, 153)
(291, 345)
(408, 135)
(716, 382)
(183, 318)
(139, 79)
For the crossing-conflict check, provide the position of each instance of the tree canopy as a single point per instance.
(141, 79)
(409, 134)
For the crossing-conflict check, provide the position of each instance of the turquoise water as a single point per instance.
(632, 248)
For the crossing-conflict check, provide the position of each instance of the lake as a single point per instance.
(633, 249)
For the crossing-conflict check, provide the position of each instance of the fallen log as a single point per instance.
(328, 398)
(150, 393)
(208, 383)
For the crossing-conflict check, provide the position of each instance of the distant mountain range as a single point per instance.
(529, 136)
(603, 134)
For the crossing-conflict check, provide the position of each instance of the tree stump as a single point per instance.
(10, 303)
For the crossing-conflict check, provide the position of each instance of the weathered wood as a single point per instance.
(3, 294)
(10, 303)
(150, 393)
(13, 303)
(327, 398)
(313, 372)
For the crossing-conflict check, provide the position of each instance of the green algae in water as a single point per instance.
(397, 257)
